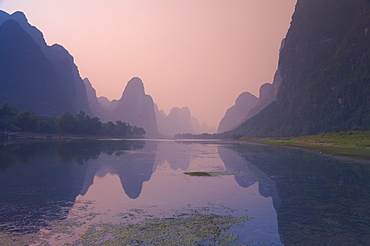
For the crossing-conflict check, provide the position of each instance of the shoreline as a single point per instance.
(56, 136)
(351, 144)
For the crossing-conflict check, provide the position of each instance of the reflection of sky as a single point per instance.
(169, 190)
(40, 182)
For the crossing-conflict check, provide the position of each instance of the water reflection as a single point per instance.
(40, 180)
(136, 167)
(323, 200)
(133, 168)
(316, 200)
(249, 174)
(177, 154)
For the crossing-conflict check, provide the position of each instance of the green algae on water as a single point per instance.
(213, 224)
(198, 174)
(193, 229)
(210, 174)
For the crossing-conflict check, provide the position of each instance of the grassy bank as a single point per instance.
(353, 144)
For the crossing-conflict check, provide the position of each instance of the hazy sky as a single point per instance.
(196, 53)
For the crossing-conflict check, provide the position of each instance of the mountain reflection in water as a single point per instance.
(40, 180)
(322, 200)
(316, 200)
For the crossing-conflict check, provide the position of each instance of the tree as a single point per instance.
(67, 123)
(138, 131)
(122, 129)
(8, 118)
(108, 128)
(27, 121)
(12, 119)
(48, 125)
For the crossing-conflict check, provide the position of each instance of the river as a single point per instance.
(136, 192)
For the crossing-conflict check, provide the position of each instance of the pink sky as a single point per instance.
(196, 53)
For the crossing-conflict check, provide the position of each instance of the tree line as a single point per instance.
(15, 120)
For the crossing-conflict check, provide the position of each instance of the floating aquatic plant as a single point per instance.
(210, 173)
(198, 174)
(205, 225)
(193, 229)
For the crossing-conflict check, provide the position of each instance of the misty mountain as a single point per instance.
(136, 108)
(237, 114)
(94, 104)
(267, 94)
(198, 129)
(325, 72)
(161, 119)
(245, 108)
(179, 120)
(69, 76)
(204, 128)
(105, 103)
(37, 76)
(27, 78)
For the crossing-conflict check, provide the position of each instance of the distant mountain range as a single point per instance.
(44, 79)
(247, 105)
(139, 109)
(322, 83)
(179, 120)
(324, 73)
(238, 113)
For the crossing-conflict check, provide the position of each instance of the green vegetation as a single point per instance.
(198, 174)
(354, 144)
(208, 225)
(209, 173)
(21, 239)
(196, 229)
(15, 120)
(200, 226)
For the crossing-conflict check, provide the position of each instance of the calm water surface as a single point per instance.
(136, 193)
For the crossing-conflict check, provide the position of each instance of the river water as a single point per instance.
(114, 192)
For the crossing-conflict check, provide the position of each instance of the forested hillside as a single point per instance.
(325, 68)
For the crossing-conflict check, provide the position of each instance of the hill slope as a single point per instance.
(235, 115)
(34, 75)
(136, 108)
(325, 69)
(27, 78)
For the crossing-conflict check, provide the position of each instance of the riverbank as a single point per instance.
(55, 136)
(352, 144)
(27, 135)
